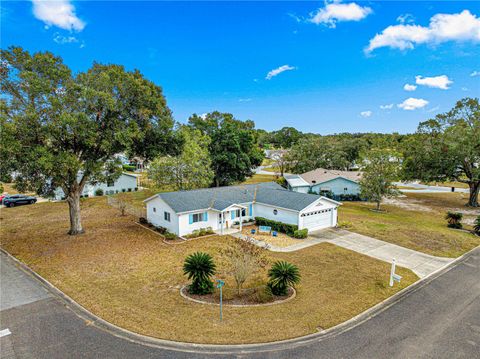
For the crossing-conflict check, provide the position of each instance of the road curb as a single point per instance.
(236, 348)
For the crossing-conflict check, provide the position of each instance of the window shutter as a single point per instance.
(190, 218)
(233, 214)
(205, 217)
(250, 210)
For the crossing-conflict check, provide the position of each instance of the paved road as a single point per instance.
(440, 319)
(423, 188)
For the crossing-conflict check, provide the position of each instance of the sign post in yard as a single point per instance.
(220, 284)
(394, 277)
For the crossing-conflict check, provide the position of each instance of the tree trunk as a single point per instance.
(73, 200)
(474, 190)
(378, 205)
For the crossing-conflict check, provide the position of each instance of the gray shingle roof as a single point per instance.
(219, 198)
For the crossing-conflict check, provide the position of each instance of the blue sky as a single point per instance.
(345, 64)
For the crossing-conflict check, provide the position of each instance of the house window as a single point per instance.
(110, 183)
(345, 189)
(166, 216)
(275, 212)
(154, 210)
(197, 217)
(237, 213)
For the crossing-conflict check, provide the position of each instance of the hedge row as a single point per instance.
(277, 226)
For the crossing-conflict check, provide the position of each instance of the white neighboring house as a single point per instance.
(183, 212)
(127, 182)
(320, 180)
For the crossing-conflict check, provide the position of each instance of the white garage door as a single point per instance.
(318, 219)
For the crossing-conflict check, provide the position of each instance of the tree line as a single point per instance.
(61, 129)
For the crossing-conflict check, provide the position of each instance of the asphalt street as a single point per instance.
(439, 319)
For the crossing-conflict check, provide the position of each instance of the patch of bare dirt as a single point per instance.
(408, 203)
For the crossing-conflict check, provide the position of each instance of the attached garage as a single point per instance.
(319, 219)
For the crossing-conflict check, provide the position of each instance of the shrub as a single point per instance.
(142, 220)
(160, 229)
(130, 168)
(454, 219)
(99, 192)
(136, 189)
(202, 232)
(170, 236)
(264, 295)
(129, 190)
(281, 276)
(199, 267)
(476, 226)
(282, 182)
(277, 226)
(123, 189)
(300, 233)
(209, 230)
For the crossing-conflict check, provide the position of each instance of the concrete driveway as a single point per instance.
(420, 263)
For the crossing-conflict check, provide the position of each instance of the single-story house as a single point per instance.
(127, 182)
(183, 212)
(322, 180)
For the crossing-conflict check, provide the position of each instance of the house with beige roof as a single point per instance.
(322, 180)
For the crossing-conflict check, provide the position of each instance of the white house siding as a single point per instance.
(187, 228)
(283, 215)
(125, 183)
(156, 209)
(338, 186)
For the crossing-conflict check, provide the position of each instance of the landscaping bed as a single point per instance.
(128, 276)
(248, 297)
(282, 240)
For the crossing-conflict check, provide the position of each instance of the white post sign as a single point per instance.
(394, 277)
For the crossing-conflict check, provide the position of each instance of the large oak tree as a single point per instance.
(447, 148)
(61, 129)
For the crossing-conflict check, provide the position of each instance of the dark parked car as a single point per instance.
(18, 199)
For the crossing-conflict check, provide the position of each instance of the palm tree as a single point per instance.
(282, 275)
(454, 219)
(476, 226)
(199, 267)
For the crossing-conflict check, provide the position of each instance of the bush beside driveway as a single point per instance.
(126, 275)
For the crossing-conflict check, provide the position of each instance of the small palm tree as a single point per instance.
(454, 219)
(199, 267)
(282, 275)
(476, 226)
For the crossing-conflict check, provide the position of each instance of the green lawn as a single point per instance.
(420, 226)
(257, 178)
(128, 276)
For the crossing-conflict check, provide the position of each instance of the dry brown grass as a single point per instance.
(126, 275)
(419, 229)
(256, 178)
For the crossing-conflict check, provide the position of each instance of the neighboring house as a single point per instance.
(183, 212)
(275, 154)
(322, 180)
(125, 183)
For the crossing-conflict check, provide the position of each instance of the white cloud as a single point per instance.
(433, 109)
(475, 73)
(60, 13)
(409, 87)
(60, 39)
(405, 19)
(440, 82)
(464, 88)
(386, 107)
(413, 103)
(336, 12)
(366, 113)
(244, 99)
(463, 26)
(278, 71)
